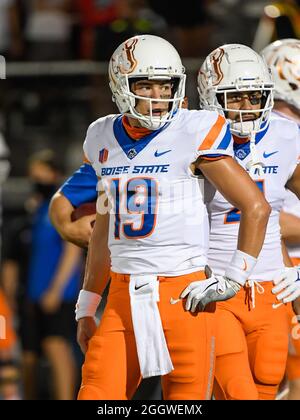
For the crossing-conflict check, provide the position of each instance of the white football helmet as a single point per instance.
(236, 68)
(146, 57)
(283, 57)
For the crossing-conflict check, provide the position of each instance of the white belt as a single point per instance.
(152, 350)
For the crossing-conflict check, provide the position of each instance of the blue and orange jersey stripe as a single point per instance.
(213, 134)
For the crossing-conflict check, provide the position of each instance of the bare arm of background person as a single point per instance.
(70, 258)
(78, 232)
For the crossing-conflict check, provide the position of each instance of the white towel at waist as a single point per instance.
(152, 350)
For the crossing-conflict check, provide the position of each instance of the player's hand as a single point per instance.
(213, 289)
(51, 300)
(85, 330)
(287, 285)
(80, 231)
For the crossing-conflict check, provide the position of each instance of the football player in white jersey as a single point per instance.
(251, 354)
(283, 57)
(154, 239)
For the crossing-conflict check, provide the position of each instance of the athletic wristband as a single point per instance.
(87, 304)
(240, 267)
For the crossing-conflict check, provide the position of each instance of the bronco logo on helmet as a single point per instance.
(131, 63)
(216, 59)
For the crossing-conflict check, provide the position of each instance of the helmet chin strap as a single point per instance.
(255, 164)
(249, 129)
(245, 128)
(152, 124)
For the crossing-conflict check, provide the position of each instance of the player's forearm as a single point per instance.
(290, 228)
(97, 271)
(60, 211)
(253, 224)
(286, 258)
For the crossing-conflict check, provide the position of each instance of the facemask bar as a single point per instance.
(251, 128)
(150, 121)
(245, 128)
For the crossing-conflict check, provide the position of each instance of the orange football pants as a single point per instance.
(111, 368)
(7, 334)
(293, 361)
(252, 346)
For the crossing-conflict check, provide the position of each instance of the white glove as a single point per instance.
(287, 285)
(213, 289)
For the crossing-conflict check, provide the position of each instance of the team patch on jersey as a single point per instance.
(241, 154)
(131, 154)
(103, 155)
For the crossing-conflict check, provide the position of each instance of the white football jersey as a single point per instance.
(159, 222)
(278, 146)
(291, 205)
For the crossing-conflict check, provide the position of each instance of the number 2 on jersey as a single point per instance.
(141, 199)
(234, 215)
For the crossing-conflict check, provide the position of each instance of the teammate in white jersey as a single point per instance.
(155, 236)
(283, 57)
(252, 337)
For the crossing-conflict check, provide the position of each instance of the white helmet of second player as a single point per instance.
(146, 57)
(235, 68)
(283, 57)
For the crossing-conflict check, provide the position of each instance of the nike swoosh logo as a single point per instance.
(174, 301)
(276, 305)
(157, 153)
(138, 287)
(211, 284)
(266, 155)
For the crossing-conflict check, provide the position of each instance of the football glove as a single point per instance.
(214, 289)
(287, 284)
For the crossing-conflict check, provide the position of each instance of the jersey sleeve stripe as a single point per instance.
(212, 134)
(225, 142)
